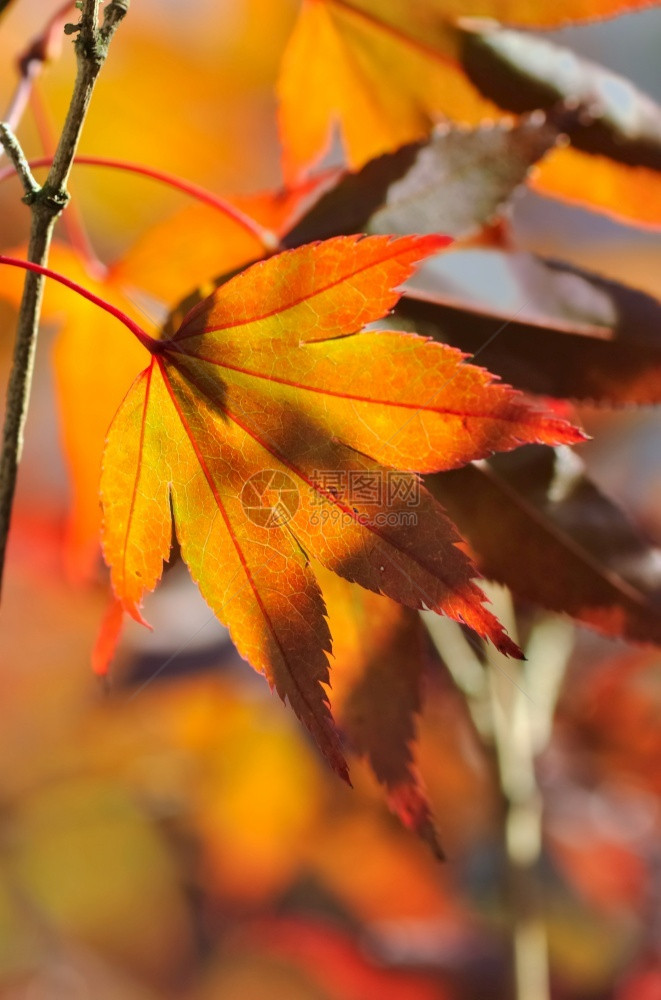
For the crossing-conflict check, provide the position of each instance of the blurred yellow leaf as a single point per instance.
(629, 194)
(382, 87)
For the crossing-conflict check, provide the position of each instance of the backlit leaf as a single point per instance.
(591, 339)
(629, 194)
(455, 183)
(615, 131)
(385, 70)
(368, 72)
(583, 556)
(379, 654)
(256, 426)
(94, 360)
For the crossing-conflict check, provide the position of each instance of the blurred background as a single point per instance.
(177, 835)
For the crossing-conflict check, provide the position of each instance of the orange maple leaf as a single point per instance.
(271, 430)
(93, 362)
(384, 71)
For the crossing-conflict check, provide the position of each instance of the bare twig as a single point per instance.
(13, 150)
(46, 205)
(512, 704)
(72, 218)
(521, 730)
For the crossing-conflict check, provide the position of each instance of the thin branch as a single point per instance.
(46, 205)
(513, 716)
(116, 11)
(521, 730)
(72, 219)
(13, 150)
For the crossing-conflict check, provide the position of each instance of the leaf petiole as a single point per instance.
(266, 237)
(148, 342)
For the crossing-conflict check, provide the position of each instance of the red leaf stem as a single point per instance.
(268, 239)
(151, 345)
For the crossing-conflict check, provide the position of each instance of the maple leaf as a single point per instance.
(384, 71)
(93, 364)
(629, 194)
(255, 427)
(614, 160)
(584, 559)
(446, 184)
(586, 338)
(379, 72)
(376, 691)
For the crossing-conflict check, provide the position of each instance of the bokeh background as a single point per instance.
(178, 836)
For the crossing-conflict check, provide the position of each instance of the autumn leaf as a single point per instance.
(235, 426)
(447, 184)
(93, 361)
(583, 555)
(379, 656)
(629, 194)
(580, 336)
(385, 70)
(372, 74)
(615, 129)
(108, 636)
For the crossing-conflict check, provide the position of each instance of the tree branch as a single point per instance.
(522, 716)
(115, 12)
(16, 155)
(46, 204)
(512, 704)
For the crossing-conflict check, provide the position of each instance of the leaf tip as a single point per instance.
(409, 803)
(133, 610)
(105, 645)
(508, 647)
(431, 243)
